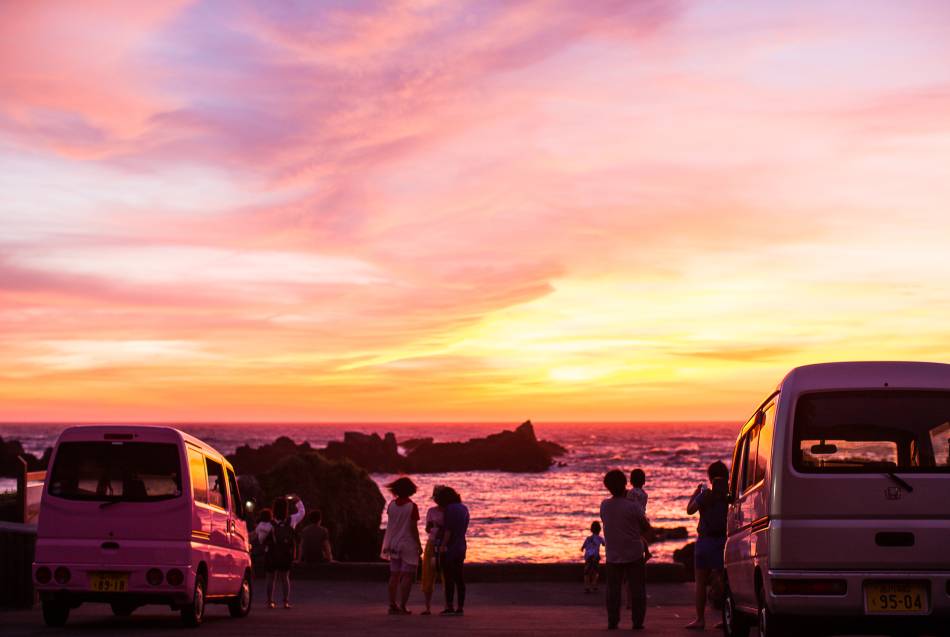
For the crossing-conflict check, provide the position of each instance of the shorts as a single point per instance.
(591, 564)
(403, 560)
(709, 553)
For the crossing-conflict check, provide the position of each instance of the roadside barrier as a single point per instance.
(17, 545)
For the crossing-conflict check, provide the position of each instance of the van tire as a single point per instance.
(734, 622)
(240, 606)
(194, 612)
(55, 614)
(771, 625)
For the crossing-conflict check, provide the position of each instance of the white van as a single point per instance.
(135, 515)
(840, 504)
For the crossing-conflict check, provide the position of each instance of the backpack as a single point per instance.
(283, 543)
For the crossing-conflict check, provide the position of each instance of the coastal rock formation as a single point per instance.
(667, 533)
(248, 460)
(368, 451)
(350, 501)
(517, 451)
(10, 466)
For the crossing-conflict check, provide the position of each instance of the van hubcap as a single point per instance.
(245, 594)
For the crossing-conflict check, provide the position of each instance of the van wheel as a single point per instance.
(55, 613)
(240, 606)
(771, 625)
(193, 613)
(121, 609)
(734, 622)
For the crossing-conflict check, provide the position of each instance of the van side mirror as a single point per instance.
(824, 449)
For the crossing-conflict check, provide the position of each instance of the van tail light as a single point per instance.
(62, 575)
(175, 577)
(154, 576)
(43, 575)
(809, 586)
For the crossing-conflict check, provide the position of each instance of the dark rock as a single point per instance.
(686, 557)
(346, 495)
(10, 466)
(666, 533)
(517, 450)
(368, 451)
(248, 460)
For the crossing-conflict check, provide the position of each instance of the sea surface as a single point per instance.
(534, 517)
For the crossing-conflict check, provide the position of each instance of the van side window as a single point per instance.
(217, 490)
(765, 443)
(237, 504)
(752, 451)
(735, 481)
(199, 479)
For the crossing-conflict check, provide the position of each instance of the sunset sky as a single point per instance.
(487, 210)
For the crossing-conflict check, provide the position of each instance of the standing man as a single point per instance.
(624, 524)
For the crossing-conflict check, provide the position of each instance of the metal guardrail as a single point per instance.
(17, 546)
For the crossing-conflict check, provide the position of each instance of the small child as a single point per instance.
(637, 479)
(591, 549)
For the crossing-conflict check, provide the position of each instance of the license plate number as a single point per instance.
(896, 598)
(109, 582)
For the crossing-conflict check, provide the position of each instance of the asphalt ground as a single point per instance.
(360, 608)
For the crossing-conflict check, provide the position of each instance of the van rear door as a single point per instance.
(868, 482)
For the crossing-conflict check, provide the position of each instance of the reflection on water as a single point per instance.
(541, 517)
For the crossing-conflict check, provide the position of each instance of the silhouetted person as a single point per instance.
(281, 546)
(591, 550)
(453, 549)
(624, 525)
(401, 545)
(315, 541)
(713, 506)
(431, 558)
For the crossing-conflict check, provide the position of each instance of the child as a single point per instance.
(591, 549)
(637, 479)
(401, 544)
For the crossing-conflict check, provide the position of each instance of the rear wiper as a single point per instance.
(109, 503)
(902, 483)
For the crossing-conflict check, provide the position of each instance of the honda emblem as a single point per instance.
(892, 493)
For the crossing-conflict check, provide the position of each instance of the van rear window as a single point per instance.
(116, 471)
(873, 431)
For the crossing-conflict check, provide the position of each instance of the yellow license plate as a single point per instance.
(109, 582)
(896, 597)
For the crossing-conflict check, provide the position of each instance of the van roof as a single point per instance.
(866, 375)
(152, 433)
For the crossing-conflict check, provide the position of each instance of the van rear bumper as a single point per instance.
(74, 598)
(852, 602)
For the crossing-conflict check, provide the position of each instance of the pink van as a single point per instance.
(135, 515)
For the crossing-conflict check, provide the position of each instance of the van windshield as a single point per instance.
(116, 471)
(873, 431)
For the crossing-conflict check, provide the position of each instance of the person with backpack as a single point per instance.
(281, 547)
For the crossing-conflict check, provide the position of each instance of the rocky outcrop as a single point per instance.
(10, 466)
(667, 533)
(368, 451)
(517, 451)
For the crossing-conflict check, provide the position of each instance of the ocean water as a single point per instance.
(539, 517)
